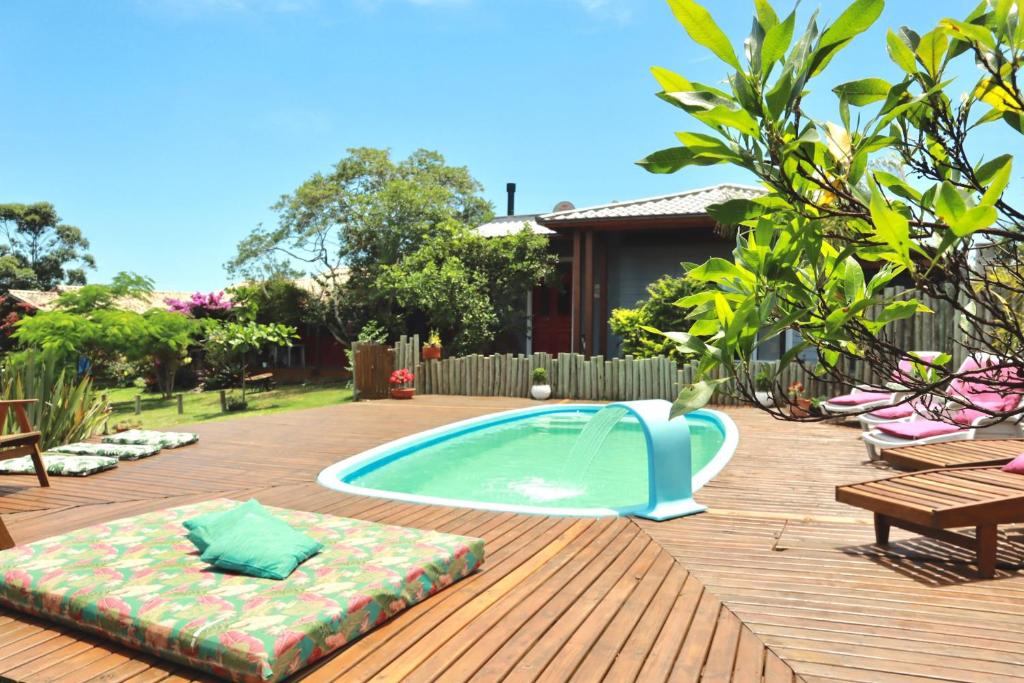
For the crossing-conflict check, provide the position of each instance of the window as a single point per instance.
(289, 356)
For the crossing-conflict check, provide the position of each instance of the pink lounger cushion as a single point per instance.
(917, 429)
(860, 398)
(897, 412)
(1016, 465)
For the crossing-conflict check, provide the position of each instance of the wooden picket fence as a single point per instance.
(573, 376)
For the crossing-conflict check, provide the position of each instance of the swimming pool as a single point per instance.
(563, 460)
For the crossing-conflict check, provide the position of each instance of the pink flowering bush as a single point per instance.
(201, 305)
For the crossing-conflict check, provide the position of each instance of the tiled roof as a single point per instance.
(688, 203)
(45, 300)
(507, 225)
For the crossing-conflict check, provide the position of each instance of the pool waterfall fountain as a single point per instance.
(669, 465)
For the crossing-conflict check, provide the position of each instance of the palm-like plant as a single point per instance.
(67, 408)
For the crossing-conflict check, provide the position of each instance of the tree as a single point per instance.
(277, 300)
(91, 322)
(949, 227)
(41, 252)
(368, 212)
(658, 311)
(234, 341)
(164, 340)
(469, 287)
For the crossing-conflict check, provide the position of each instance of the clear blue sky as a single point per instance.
(166, 128)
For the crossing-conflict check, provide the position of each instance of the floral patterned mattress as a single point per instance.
(141, 583)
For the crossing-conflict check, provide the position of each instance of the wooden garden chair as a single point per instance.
(934, 502)
(5, 537)
(23, 442)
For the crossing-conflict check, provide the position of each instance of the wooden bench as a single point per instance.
(954, 454)
(932, 502)
(264, 381)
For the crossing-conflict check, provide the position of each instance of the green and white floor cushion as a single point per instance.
(152, 438)
(121, 451)
(140, 582)
(60, 464)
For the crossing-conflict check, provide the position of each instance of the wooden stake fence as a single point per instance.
(572, 376)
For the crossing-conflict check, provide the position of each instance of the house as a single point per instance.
(608, 254)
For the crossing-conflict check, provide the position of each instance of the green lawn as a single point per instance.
(158, 413)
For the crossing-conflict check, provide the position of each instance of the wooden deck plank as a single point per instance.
(777, 582)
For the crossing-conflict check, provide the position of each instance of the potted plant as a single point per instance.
(400, 381)
(800, 406)
(540, 390)
(763, 386)
(816, 403)
(432, 347)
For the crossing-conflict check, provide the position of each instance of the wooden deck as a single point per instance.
(954, 454)
(778, 582)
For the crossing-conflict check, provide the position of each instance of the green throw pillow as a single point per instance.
(259, 544)
(204, 528)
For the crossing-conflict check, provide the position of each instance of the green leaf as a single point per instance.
(702, 28)
(900, 53)
(949, 205)
(970, 33)
(693, 397)
(853, 280)
(729, 118)
(856, 19)
(670, 81)
(891, 227)
(707, 146)
(735, 211)
(667, 160)
(776, 42)
(780, 95)
(932, 51)
(898, 310)
(718, 270)
(973, 219)
(695, 100)
(897, 185)
(723, 309)
(864, 91)
(766, 15)
(996, 176)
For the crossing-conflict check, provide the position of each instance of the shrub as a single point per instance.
(235, 403)
(540, 376)
(659, 311)
(67, 409)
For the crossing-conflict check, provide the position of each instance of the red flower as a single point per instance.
(402, 376)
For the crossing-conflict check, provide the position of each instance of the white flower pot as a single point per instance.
(541, 392)
(764, 398)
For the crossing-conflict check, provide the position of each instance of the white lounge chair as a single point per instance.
(962, 419)
(869, 398)
(920, 407)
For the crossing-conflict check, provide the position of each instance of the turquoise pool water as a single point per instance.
(535, 461)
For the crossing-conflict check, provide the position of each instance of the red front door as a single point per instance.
(552, 312)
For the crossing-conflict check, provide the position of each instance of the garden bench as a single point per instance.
(264, 381)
